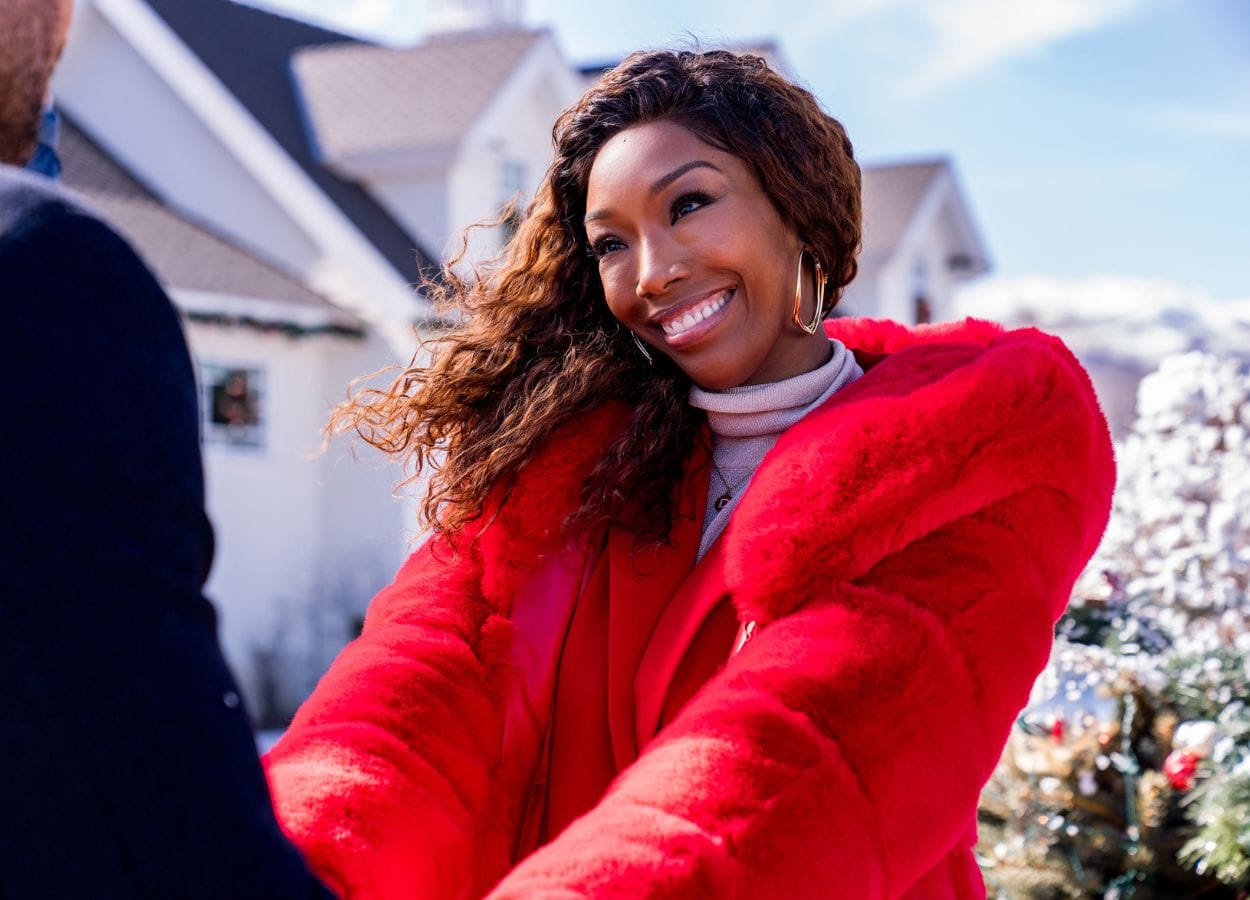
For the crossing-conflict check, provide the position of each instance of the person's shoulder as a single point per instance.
(26, 197)
(38, 217)
(883, 338)
(947, 425)
(61, 263)
(43, 225)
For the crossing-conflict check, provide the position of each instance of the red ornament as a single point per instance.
(1180, 767)
(1056, 730)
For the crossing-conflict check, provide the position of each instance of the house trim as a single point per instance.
(262, 313)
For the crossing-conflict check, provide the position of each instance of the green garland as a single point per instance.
(1221, 848)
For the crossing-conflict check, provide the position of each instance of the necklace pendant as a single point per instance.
(723, 500)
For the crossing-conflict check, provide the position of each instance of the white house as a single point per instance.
(200, 128)
(303, 539)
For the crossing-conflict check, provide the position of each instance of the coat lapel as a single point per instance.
(641, 584)
(673, 636)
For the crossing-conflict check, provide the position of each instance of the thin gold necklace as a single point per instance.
(723, 500)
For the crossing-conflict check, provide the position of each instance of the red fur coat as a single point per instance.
(903, 551)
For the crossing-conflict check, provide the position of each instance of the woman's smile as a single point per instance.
(685, 324)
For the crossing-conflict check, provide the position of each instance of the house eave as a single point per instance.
(395, 164)
(264, 315)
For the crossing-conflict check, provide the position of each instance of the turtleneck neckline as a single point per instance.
(760, 409)
(747, 421)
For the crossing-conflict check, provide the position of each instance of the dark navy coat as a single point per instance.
(127, 764)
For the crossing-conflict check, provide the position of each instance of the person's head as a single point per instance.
(697, 180)
(32, 34)
(688, 193)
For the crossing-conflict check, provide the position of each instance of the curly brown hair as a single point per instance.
(537, 346)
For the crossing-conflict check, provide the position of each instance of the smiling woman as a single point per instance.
(718, 602)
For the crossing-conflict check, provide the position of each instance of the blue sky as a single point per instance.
(1092, 137)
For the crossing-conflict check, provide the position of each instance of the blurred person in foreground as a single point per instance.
(127, 763)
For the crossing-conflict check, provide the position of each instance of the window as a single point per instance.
(511, 179)
(232, 401)
(511, 188)
(922, 308)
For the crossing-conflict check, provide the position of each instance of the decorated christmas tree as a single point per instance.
(1129, 773)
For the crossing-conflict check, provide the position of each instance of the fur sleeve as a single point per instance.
(843, 750)
(388, 776)
(384, 775)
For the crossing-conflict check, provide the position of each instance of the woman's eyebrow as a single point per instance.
(660, 184)
(664, 181)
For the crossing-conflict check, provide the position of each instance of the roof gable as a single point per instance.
(892, 195)
(902, 200)
(249, 51)
(366, 100)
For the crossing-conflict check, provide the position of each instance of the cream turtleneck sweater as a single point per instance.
(747, 421)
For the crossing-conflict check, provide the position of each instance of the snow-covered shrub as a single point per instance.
(1130, 771)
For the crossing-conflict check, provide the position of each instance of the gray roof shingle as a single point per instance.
(362, 98)
(891, 195)
(182, 253)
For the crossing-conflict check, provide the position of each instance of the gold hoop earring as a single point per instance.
(821, 280)
(642, 347)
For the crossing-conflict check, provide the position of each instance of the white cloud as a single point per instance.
(1215, 123)
(972, 35)
(950, 40)
(827, 17)
(394, 20)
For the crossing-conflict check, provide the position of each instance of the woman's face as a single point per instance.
(695, 259)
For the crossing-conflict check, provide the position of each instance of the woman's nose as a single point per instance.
(661, 263)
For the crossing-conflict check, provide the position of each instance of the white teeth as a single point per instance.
(695, 316)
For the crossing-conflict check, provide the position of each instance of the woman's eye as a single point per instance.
(602, 247)
(688, 203)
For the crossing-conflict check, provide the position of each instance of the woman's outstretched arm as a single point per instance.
(391, 778)
(384, 775)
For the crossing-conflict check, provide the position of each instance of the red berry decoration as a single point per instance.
(1056, 730)
(1180, 767)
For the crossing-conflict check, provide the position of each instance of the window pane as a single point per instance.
(232, 405)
